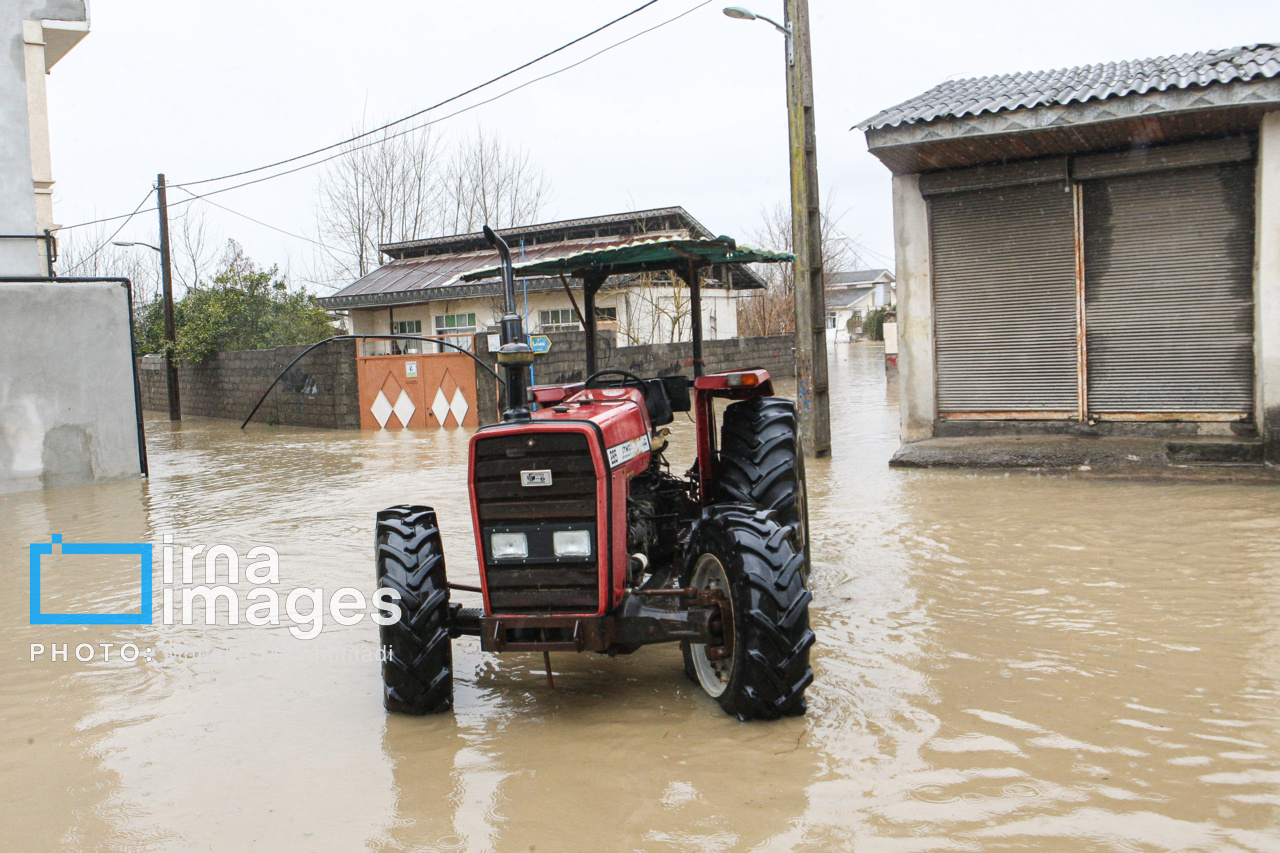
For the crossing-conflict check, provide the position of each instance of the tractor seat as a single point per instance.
(664, 397)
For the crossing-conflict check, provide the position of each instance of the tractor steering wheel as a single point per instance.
(628, 378)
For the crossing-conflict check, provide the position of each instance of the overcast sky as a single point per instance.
(691, 114)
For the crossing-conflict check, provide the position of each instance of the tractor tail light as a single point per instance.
(742, 380)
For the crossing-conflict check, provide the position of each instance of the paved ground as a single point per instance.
(1197, 458)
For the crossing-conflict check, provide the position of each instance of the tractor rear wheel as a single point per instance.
(761, 670)
(761, 463)
(417, 666)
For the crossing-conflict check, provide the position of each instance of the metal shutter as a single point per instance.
(1168, 291)
(1004, 277)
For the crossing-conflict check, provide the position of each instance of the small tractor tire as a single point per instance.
(745, 553)
(417, 666)
(761, 463)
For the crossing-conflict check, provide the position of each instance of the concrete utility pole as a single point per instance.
(812, 395)
(166, 279)
(806, 229)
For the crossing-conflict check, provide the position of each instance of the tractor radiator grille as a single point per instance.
(533, 587)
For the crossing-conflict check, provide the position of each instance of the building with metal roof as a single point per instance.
(850, 294)
(428, 287)
(1092, 250)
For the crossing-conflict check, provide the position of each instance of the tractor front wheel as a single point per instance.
(760, 670)
(417, 666)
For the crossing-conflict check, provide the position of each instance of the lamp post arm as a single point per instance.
(790, 36)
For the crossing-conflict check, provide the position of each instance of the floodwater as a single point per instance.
(1003, 663)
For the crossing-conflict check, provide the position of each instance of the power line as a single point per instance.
(323, 247)
(476, 88)
(195, 196)
(114, 234)
(399, 133)
(453, 114)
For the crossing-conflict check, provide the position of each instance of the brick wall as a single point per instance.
(566, 362)
(321, 391)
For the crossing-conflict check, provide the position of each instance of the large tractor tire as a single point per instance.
(762, 670)
(417, 669)
(762, 463)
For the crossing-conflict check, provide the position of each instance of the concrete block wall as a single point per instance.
(566, 361)
(321, 391)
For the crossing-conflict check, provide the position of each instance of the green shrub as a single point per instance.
(243, 309)
(873, 324)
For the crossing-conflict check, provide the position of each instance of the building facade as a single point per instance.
(420, 290)
(39, 35)
(1091, 250)
(850, 295)
(64, 418)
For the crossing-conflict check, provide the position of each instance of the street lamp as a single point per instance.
(806, 228)
(127, 243)
(170, 336)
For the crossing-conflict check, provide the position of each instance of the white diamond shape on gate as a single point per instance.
(404, 408)
(459, 405)
(440, 407)
(381, 409)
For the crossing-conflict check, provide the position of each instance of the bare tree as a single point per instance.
(400, 186)
(385, 192)
(656, 308)
(194, 247)
(772, 310)
(489, 181)
(87, 252)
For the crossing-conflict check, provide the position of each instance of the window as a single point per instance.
(405, 327)
(609, 315)
(456, 329)
(559, 320)
(831, 319)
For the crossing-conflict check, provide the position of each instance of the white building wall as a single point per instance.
(67, 414)
(641, 319)
(1267, 286)
(914, 265)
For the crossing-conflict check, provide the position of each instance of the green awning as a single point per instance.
(641, 254)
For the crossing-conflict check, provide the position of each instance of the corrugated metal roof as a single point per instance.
(976, 95)
(642, 252)
(460, 242)
(849, 277)
(845, 297)
(404, 279)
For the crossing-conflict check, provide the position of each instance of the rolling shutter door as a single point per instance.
(1004, 268)
(1168, 291)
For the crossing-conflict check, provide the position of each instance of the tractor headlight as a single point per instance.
(571, 543)
(508, 546)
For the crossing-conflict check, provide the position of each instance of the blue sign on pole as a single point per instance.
(539, 343)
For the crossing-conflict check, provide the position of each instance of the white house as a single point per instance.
(420, 290)
(850, 295)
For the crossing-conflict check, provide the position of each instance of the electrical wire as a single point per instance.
(413, 129)
(455, 113)
(114, 234)
(197, 196)
(449, 100)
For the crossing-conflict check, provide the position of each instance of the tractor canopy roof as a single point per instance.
(641, 254)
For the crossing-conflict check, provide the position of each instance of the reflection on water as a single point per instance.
(1004, 662)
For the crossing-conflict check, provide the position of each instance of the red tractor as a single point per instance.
(587, 543)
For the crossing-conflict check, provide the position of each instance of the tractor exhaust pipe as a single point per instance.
(514, 355)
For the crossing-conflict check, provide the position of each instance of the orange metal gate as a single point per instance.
(417, 390)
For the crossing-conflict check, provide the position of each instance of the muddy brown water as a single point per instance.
(1003, 663)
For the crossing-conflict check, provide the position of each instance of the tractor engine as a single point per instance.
(555, 529)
